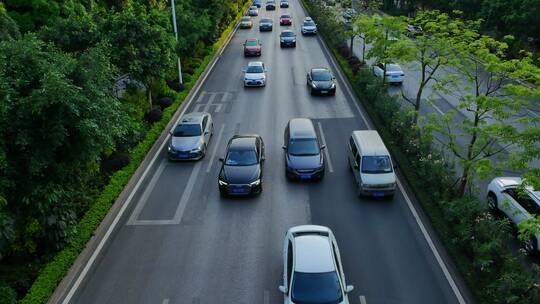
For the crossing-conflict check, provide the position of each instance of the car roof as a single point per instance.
(193, 118)
(370, 142)
(301, 128)
(313, 253)
(255, 63)
(243, 142)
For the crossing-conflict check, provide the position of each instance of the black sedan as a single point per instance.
(321, 81)
(270, 5)
(284, 3)
(242, 169)
(287, 38)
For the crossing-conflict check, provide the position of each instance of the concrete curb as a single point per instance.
(66, 284)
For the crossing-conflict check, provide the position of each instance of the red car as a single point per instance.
(252, 47)
(285, 20)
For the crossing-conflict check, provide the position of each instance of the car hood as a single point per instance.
(186, 143)
(304, 162)
(323, 84)
(240, 174)
(505, 182)
(378, 179)
(254, 76)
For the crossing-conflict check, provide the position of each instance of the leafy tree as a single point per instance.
(74, 34)
(144, 49)
(492, 101)
(57, 118)
(8, 28)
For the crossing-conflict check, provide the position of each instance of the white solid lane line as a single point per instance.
(144, 198)
(326, 153)
(434, 250)
(362, 300)
(437, 109)
(216, 144)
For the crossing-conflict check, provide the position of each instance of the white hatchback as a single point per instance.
(503, 195)
(394, 73)
(312, 268)
(255, 74)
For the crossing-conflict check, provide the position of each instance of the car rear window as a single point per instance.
(316, 288)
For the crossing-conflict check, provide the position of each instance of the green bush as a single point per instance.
(54, 271)
(7, 295)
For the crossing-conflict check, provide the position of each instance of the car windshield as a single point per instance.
(321, 76)
(266, 21)
(254, 69)
(252, 43)
(376, 164)
(185, 130)
(303, 147)
(285, 16)
(241, 158)
(309, 23)
(393, 68)
(316, 288)
(287, 34)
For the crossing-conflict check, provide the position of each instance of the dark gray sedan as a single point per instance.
(266, 24)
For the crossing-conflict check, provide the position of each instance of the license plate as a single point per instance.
(237, 190)
(378, 194)
(324, 92)
(395, 76)
(183, 155)
(305, 176)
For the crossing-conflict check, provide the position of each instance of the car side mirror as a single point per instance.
(206, 132)
(221, 159)
(349, 288)
(284, 147)
(323, 147)
(283, 289)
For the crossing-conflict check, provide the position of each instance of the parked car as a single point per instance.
(271, 5)
(245, 22)
(321, 81)
(257, 3)
(287, 38)
(309, 27)
(253, 11)
(312, 267)
(255, 74)
(371, 164)
(304, 159)
(285, 20)
(266, 24)
(284, 3)
(191, 137)
(252, 47)
(241, 171)
(394, 73)
(504, 195)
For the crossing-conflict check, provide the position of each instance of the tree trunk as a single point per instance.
(463, 181)
(419, 95)
(149, 94)
(364, 50)
(351, 54)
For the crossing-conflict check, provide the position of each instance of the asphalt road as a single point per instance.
(180, 242)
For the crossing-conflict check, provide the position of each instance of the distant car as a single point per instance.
(284, 3)
(257, 3)
(253, 11)
(304, 159)
(503, 195)
(252, 47)
(285, 20)
(394, 73)
(270, 5)
(255, 74)
(266, 24)
(321, 81)
(309, 27)
(241, 171)
(190, 138)
(348, 14)
(287, 38)
(312, 267)
(245, 22)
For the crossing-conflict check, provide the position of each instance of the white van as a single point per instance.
(371, 164)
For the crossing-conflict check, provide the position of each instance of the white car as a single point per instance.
(394, 73)
(312, 268)
(309, 27)
(255, 74)
(503, 195)
(253, 11)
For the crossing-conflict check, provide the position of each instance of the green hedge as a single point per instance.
(55, 271)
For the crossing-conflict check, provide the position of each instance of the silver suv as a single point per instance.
(190, 138)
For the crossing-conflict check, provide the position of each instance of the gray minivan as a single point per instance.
(304, 159)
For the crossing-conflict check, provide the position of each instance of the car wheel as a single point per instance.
(294, 45)
(530, 245)
(204, 151)
(492, 202)
(311, 91)
(222, 193)
(333, 93)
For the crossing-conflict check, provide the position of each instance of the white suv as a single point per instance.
(312, 268)
(503, 195)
